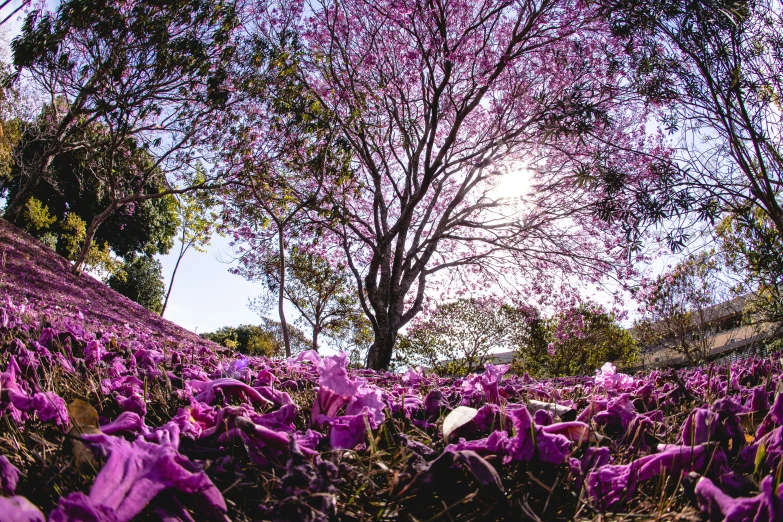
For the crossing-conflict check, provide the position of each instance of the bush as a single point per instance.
(141, 279)
(263, 340)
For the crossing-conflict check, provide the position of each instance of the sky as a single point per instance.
(205, 295)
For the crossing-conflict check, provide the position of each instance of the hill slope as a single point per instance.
(33, 273)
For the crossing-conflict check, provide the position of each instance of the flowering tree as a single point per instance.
(683, 309)
(148, 74)
(457, 338)
(435, 102)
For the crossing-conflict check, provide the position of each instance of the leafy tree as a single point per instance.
(264, 339)
(716, 69)
(280, 156)
(149, 74)
(434, 106)
(145, 228)
(574, 342)
(678, 307)
(320, 292)
(10, 126)
(140, 279)
(458, 337)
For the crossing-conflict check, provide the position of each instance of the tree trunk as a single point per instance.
(91, 230)
(171, 281)
(380, 353)
(316, 330)
(280, 294)
(14, 208)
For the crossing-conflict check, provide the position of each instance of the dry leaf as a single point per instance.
(83, 415)
(84, 419)
(558, 410)
(458, 417)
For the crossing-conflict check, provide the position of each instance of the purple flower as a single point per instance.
(50, 407)
(608, 378)
(93, 352)
(759, 399)
(773, 419)
(699, 427)
(337, 390)
(19, 509)
(528, 440)
(487, 382)
(347, 432)
(134, 474)
(126, 423)
(619, 414)
(767, 505)
(9, 477)
(434, 403)
(47, 405)
(209, 392)
(367, 399)
(610, 485)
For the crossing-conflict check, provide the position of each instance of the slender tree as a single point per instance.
(280, 155)
(320, 292)
(197, 222)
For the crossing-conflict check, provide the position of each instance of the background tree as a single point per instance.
(321, 293)
(356, 340)
(679, 308)
(264, 340)
(197, 222)
(458, 337)
(149, 74)
(573, 342)
(435, 105)
(140, 279)
(716, 69)
(750, 245)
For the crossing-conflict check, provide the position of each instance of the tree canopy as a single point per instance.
(145, 228)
